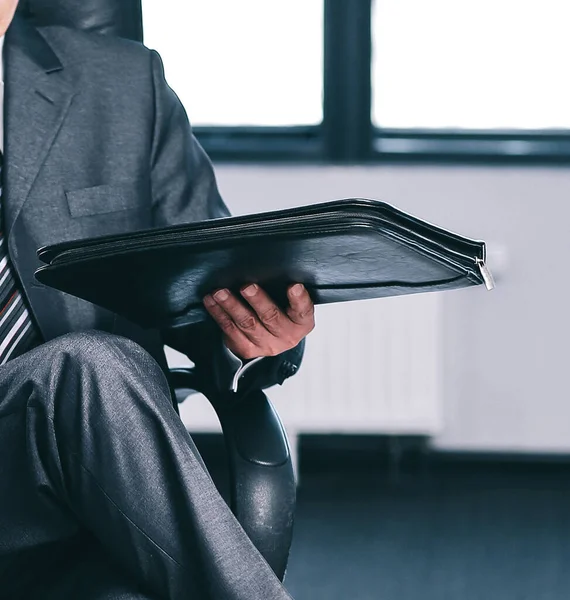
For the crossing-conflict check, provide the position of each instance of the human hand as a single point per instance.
(258, 327)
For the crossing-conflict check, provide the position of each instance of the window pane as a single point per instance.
(246, 62)
(473, 64)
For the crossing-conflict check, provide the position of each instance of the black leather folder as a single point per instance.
(343, 250)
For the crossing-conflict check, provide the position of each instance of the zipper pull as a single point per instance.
(486, 274)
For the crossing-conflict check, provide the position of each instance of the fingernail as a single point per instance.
(209, 301)
(250, 290)
(297, 289)
(221, 295)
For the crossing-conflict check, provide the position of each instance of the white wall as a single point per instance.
(505, 352)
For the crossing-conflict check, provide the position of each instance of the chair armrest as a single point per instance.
(262, 482)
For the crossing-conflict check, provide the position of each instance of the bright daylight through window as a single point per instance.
(471, 64)
(246, 62)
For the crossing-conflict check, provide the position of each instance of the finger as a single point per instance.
(270, 315)
(244, 318)
(301, 308)
(235, 339)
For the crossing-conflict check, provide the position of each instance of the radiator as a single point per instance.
(370, 367)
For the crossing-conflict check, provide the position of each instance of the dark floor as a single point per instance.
(440, 528)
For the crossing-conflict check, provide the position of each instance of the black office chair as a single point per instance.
(263, 490)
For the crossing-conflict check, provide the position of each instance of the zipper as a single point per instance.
(213, 234)
(404, 235)
(485, 274)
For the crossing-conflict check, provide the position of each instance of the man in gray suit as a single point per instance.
(102, 492)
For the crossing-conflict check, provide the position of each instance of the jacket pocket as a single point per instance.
(102, 199)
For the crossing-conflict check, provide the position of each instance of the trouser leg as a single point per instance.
(106, 451)
(88, 574)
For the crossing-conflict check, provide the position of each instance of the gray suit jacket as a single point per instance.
(97, 143)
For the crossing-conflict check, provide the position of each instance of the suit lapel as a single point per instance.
(37, 98)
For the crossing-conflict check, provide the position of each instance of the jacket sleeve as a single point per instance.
(184, 189)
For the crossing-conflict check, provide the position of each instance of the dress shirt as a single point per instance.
(1, 95)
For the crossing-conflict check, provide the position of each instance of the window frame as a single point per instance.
(347, 134)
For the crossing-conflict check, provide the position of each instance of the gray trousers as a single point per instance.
(103, 494)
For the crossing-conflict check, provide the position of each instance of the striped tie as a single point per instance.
(17, 330)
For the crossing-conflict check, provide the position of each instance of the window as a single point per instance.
(363, 80)
(471, 64)
(241, 62)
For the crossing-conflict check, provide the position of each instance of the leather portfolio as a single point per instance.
(344, 250)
